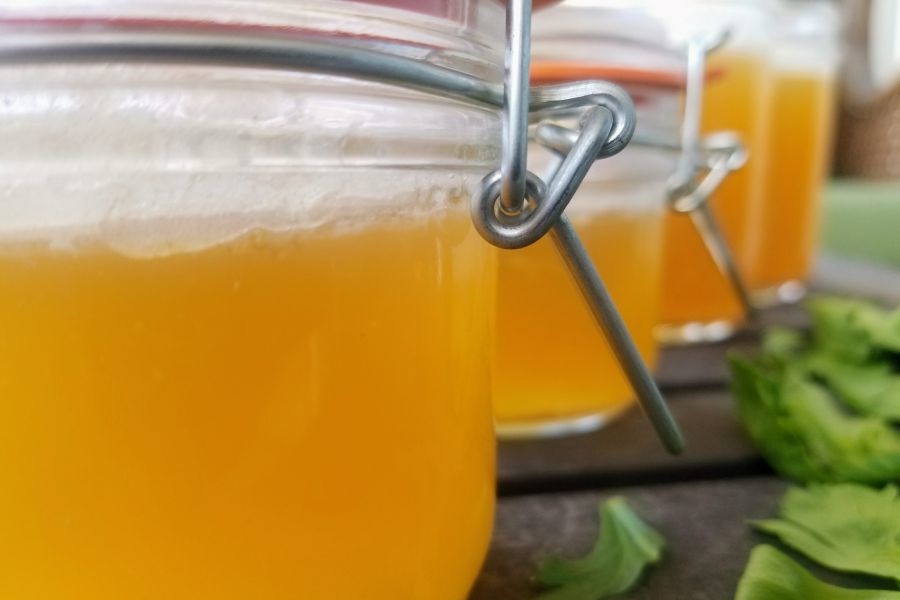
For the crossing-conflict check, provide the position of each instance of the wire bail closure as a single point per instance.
(718, 154)
(513, 207)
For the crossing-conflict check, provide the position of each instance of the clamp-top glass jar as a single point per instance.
(699, 303)
(244, 314)
(805, 60)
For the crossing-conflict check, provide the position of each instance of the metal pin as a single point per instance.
(708, 227)
(517, 58)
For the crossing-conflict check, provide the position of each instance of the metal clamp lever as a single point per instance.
(570, 145)
(607, 316)
(513, 208)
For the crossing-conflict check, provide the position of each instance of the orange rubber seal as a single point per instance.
(551, 71)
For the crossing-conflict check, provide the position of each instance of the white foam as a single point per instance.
(151, 159)
(151, 215)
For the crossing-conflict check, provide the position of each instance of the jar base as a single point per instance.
(789, 292)
(688, 334)
(560, 426)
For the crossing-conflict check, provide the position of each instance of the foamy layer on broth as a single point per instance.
(152, 159)
(146, 215)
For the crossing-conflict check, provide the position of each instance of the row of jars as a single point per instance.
(249, 339)
(773, 84)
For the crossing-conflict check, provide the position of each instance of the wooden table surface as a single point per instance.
(701, 501)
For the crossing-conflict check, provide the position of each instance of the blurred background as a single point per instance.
(862, 201)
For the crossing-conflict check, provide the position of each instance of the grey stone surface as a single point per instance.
(839, 275)
(705, 526)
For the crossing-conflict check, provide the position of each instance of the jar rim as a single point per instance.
(466, 39)
(181, 25)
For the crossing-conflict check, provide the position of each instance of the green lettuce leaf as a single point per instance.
(803, 432)
(854, 330)
(845, 527)
(626, 546)
(868, 389)
(888, 336)
(783, 344)
(771, 575)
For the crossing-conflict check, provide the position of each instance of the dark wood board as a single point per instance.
(627, 453)
(703, 365)
(694, 380)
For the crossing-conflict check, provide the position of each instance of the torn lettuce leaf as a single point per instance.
(772, 575)
(845, 527)
(869, 389)
(625, 548)
(804, 433)
(855, 330)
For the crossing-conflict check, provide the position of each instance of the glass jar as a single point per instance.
(245, 314)
(554, 372)
(805, 60)
(699, 303)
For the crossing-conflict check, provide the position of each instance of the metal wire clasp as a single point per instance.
(513, 208)
(704, 164)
